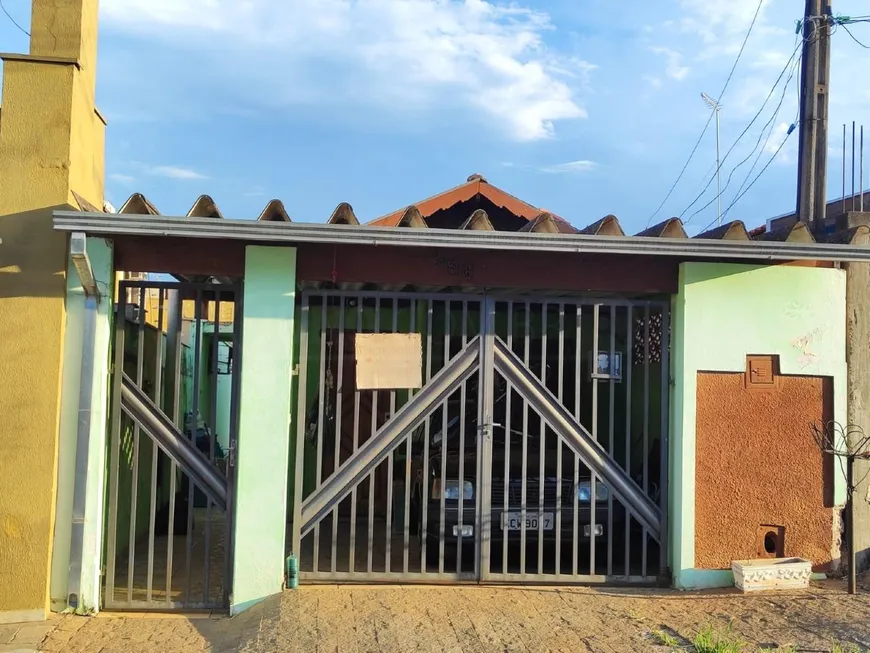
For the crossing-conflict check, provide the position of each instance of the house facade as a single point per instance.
(467, 390)
(609, 408)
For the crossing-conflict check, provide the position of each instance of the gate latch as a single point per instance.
(231, 453)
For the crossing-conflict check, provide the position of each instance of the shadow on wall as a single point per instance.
(33, 257)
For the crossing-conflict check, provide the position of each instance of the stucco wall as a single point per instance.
(858, 352)
(721, 313)
(758, 464)
(51, 144)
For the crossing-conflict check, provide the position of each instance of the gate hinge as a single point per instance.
(295, 370)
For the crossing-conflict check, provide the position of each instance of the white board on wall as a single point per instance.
(388, 361)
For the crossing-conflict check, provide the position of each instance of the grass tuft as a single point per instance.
(710, 641)
(663, 638)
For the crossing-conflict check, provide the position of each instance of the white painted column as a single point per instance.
(100, 254)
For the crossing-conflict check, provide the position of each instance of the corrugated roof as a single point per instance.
(797, 232)
(536, 220)
(859, 235)
(547, 223)
(670, 228)
(274, 212)
(606, 226)
(735, 230)
(343, 214)
(478, 221)
(204, 207)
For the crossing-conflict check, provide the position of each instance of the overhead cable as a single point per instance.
(710, 118)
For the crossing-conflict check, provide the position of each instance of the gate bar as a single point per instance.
(403, 422)
(577, 436)
(134, 487)
(143, 411)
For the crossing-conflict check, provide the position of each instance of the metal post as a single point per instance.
(853, 165)
(861, 171)
(843, 206)
(82, 446)
(718, 174)
(850, 521)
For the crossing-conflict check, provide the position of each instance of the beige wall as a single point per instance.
(51, 144)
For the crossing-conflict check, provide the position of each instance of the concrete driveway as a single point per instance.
(400, 619)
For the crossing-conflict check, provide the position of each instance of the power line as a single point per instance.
(849, 32)
(9, 16)
(710, 118)
(788, 64)
(764, 128)
(760, 172)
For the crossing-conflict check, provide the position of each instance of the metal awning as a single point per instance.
(295, 233)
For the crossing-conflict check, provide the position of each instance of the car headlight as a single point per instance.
(451, 490)
(584, 491)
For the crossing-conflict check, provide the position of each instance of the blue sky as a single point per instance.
(583, 107)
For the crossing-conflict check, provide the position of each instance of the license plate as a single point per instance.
(513, 521)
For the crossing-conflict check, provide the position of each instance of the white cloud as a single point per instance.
(126, 180)
(174, 172)
(570, 167)
(490, 56)
(674, 67)
(653, 80)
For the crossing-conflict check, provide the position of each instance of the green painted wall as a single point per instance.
(722, 313)
(100, 254)
(264, 423)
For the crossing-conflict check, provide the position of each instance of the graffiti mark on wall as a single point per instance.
(805, 345)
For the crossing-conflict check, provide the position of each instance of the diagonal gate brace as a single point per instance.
(390, 435)
(578, 438)
(174, 444)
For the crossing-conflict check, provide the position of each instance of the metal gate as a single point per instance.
(173, 438)
(533, 450)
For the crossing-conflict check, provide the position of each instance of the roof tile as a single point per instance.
(606, 226)
(204, 207)
(478, 221)
(670, 228)
(343, 214)
(797, 232)
(274, 212)
(734, 230)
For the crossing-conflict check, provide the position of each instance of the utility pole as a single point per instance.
(813, 146)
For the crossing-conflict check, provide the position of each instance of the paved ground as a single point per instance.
(26, 637)
(459, 619)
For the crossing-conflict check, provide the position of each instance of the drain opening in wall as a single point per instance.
(770, 540)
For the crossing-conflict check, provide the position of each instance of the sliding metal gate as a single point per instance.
(173, 437)
(535, 449)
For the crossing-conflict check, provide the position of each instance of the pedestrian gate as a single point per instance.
(533, 447)
(170, 493)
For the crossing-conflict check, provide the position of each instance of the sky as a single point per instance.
(582, 107)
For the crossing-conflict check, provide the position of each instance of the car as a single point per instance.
(511, 512)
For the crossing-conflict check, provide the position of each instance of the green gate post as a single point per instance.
(264, 425)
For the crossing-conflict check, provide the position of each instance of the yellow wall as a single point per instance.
(51, 144)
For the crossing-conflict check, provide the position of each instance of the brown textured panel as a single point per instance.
(757, 463)
(762, 372)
